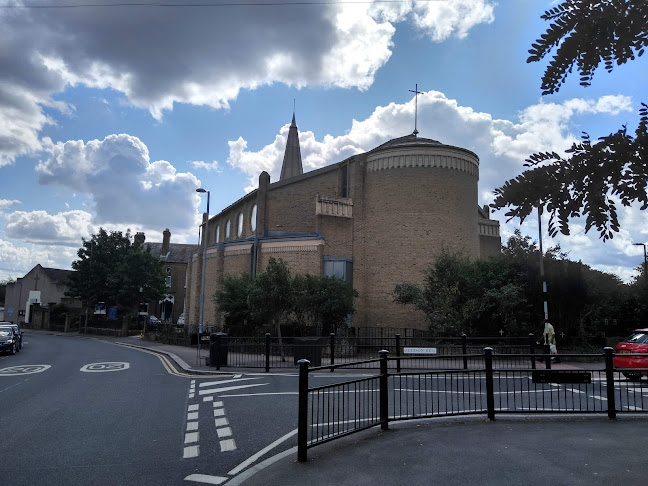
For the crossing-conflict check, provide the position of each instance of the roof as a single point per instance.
(57, 275)
(292, 162)
(412, 141)
(178, 252)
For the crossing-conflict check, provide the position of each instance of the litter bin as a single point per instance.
(308, 348)
(218, 349)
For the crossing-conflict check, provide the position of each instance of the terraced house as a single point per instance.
(376, 219)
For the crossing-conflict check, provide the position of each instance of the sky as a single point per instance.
(112, 116)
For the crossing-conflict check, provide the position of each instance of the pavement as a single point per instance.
(512, 450)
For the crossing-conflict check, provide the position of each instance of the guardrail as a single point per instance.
(335, 410)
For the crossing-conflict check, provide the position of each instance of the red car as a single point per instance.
(636, 343)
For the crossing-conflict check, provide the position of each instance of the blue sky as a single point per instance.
(112, 116)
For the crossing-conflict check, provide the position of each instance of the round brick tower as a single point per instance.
(420, 196)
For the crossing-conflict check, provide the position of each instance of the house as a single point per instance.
(41, 287)
(176, 257)
(376, 219)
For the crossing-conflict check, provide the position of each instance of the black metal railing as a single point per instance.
(494, 387)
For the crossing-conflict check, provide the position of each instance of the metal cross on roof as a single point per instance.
(416, 93)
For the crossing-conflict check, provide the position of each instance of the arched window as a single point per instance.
(217, 233)
(239, 226)
(227, 230)
(253, 218)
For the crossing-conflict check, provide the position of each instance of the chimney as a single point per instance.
(165, 242)
(139, 238)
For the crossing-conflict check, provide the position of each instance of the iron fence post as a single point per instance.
(609, 379)
(267, 352)
(547, 351)
(490, 395)
(532, 350)
(398, 353)
(218, 349)
(464, 349)
(332, 345)
(302, 414)
(384, 392)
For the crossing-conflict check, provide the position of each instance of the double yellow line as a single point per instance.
(169, 367)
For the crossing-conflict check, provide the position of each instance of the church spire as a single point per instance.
(292, 163)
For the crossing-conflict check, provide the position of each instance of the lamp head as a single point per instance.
(200, 189)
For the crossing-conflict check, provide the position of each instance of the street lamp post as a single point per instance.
(645, 264)
(205, 235)
(544, 291)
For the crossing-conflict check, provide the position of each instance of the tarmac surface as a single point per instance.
(511, 450)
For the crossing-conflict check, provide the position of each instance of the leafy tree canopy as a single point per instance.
(111, 268)
(593, 176)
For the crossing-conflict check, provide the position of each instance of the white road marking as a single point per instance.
(216, 383)
(205, 479)
(252, 459)
(191, 437)
(632, 407)
(221, 422)
(23, 370)
(193, 408)
(191, 451)
(208, 399)
(192, 416)
(241, 478)
(255, 394)
(224, 432)
(227, 445)
(219, 412)
(192, 426)
(227, 388)
(599, 398)
(191, 395)
(105, 367)
(218, 404)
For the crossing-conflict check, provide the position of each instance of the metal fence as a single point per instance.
(495, 387)
(270, 352)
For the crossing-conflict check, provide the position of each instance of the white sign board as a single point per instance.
(420, 350)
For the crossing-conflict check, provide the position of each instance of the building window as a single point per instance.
(227, 230)
(167, 279)
(341, 268)
(217, 233)
(344, 183)
(253, 218)
(239, 226)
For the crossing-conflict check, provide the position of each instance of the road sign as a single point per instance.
(411, 350)
(106, 366)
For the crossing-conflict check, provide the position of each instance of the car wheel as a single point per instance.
(13, 349)
(632, 375)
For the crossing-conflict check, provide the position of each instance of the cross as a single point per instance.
(501, 332)
(562, 335)
(36, 279)
(416, 93)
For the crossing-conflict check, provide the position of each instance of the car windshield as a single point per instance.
(637, 337)
(5, 332)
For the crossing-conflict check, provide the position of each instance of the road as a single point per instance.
(85, 411)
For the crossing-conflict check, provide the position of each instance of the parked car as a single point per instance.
(153, 323)
(8, 340)
(16, 329)
(624, 360)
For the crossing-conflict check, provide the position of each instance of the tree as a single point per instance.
(233, 300)
(3, 288)
(586, 33)
(111, 268)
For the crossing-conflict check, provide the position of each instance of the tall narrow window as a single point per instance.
(227, 230)
(217, 233)
(239, 226)
(253, 218)
(344, 183)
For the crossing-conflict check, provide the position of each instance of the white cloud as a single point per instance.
(126, 188)
(16, 261)
(7, 203)
(208, 166)
(201, 56)
(59, 229)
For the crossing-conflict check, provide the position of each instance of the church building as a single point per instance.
(376, 219)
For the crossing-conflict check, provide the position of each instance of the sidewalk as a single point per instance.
(510, 451)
